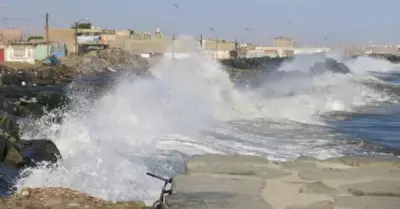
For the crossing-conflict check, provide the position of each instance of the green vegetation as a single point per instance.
(83, 26)
(35, 38)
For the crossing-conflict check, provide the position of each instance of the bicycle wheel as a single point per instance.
(159, 205)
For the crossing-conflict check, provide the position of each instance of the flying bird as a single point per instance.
(247, 29)
(176, 5)
(212, 29)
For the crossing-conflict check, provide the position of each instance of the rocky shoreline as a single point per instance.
(243, 182)
(61, 198)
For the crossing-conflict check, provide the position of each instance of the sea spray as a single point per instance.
(191, 107)
(109, 145)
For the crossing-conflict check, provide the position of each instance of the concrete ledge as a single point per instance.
(249, 182)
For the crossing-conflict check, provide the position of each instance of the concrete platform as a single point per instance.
(248, 182)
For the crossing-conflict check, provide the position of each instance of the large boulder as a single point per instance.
(37, 151)
(330, 65)
(9, 128)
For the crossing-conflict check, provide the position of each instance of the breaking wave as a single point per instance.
(190, 106)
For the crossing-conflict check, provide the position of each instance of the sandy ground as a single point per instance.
(61, 198)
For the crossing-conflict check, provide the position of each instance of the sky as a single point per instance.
(309, 21)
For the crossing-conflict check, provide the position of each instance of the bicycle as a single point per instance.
(160, 203)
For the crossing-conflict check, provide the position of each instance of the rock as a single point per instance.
(216, 200)
(367, 161)
(13, 155)
(30, 109)
(117, 59)
(8, 126)
(374, 188)
(331, 65)
(300, 163)
(216, 183)
(315, 205)
(210, 183)
(233, 165)
(349, 174)
(317, 187)
(11, 80)
(3, 148)
(367, 202)
(36, 151)
(51, 100)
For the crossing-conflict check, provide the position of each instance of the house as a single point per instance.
(8, 36)
(284, 42)
(24, 52)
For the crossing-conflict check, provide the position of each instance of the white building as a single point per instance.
(24, 53)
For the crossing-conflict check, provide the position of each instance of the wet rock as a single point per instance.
(36, 151)
(215, 183)
(13, 155)
(367, 202)
(331, 65)
(9, 128)
(233, 165)
(317, 187)
(3, 149)
(216, 200)
(390, 57)
(374, 188)
(301, 163)
(51, 100)
(367, 161)
(206, 185)
(315, 205)
(30, 109)
(348, 174)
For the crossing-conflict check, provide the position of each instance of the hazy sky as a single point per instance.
(342, 21)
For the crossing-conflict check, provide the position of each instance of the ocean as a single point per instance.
(109, 140)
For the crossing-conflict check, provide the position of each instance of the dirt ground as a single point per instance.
(61, 198)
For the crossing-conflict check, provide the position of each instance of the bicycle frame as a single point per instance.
(161, 200)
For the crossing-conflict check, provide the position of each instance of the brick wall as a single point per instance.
(64, 36)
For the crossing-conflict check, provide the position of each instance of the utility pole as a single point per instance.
(201, 41)
(216, 43)
(173, 37)
(173, 46)
(47, 34)
(76, 38)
